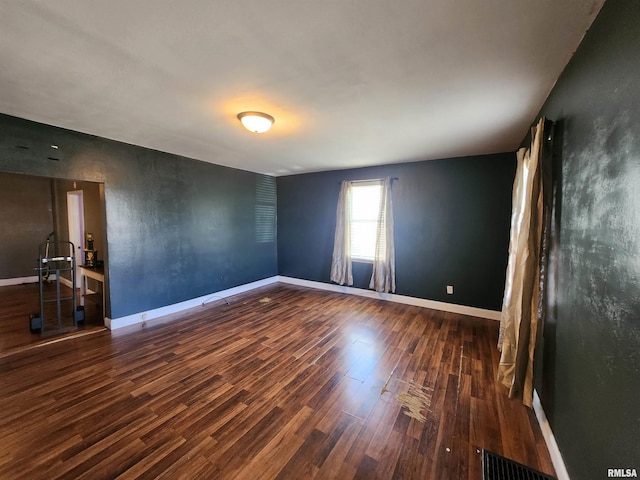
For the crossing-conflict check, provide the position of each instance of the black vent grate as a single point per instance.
(495, 467)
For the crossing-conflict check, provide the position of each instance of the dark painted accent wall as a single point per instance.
(25, 221)
(593, 371)
(452, 221)
(177, 228)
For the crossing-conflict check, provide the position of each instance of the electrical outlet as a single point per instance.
(449, 289)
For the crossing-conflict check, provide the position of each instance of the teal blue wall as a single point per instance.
(452, 221)
(177, 228)
(591, 388)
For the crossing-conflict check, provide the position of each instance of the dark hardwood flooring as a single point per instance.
(17, 302)
(283, 382)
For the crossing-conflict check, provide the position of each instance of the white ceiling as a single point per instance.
(349, 82)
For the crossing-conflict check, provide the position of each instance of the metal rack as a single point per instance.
(55, 258)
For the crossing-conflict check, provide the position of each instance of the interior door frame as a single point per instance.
(75, 224)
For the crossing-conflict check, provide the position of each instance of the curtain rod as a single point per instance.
(370, 180)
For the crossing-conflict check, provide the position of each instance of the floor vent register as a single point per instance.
(496, 467)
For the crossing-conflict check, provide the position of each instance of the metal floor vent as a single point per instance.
(495, 467)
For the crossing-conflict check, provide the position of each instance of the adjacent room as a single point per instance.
(44, 215)
(421, 261)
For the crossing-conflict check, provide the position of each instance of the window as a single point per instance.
(365, 210)
(364, 232)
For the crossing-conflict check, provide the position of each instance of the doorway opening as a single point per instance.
(34, 209)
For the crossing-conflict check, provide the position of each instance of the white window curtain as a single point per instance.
(341, 260)
(383, 278)
(521, 320)
(383, 274)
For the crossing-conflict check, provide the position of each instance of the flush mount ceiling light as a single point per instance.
(256, 122)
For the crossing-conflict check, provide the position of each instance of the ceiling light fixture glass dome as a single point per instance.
(256, 122)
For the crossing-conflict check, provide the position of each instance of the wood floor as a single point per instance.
(17, 302)
(283, 382)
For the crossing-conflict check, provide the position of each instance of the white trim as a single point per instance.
(66, 282)
(5, 282)
(392, 297)
(550, 440)
(140, 317)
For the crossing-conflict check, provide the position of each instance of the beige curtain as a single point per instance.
(383, 278)
(341, 259)
(519, 326)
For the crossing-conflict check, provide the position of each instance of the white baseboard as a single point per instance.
(5, 282)
(550, 440)
(392, 297)
(140, 317)
(66, 282)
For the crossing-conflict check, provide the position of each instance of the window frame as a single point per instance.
(354, 185)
